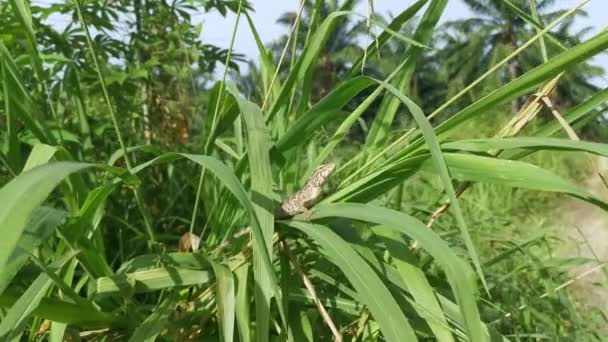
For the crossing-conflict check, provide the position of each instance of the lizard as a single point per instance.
(297, 203)
(301, 201)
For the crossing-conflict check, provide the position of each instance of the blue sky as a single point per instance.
(217, 29)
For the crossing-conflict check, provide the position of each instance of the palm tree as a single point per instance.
(472, 46)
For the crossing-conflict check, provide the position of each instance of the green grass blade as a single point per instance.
(309, 57)
(40, 154)
(24, 15)
(396, 24)
(459, 274)
(66, 312)
(258, 148)
(232, 183)
(226, 306)
(153, 325)
(149, 280)
(22, 195)
(528, 81)
(371, 290)
(512, 173)
(19, 101)
(242, 303)
(442, 169)
(382, 123)
(323, 112)
(417, 283)
(40, 226)
(16, 317)
(268, 67)
(575, 115)
(528, 143)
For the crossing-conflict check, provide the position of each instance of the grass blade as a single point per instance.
(22, 195)
(442, 169)
(152, 326)
(226, 306)
(417, 283)
(371, 290)
(40, 227)
(459, 274)
(258, 148)
(15, 319)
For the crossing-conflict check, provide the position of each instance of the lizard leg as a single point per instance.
(308, 213)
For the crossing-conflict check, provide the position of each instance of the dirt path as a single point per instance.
(587, 236)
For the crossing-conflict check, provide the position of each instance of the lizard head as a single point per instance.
(321, 173)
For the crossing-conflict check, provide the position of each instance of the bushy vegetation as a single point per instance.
(138, 190)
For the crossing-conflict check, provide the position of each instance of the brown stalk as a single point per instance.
(312, 291)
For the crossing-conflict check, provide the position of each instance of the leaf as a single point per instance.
(15, 319)
(231, 182)
(513, 173)
(307, 59)
(459, 274)
(442, 169)
(20, 101)
(529, 143)
(242, 302)
(323, 112)
(416, 282)
(39, 227)
(388, 108)
(153, 325)
(371, 290)
(226, 306)
(258, 147)
(528, 81)
(22, 195)
(150, 280)
(396, 24)
(40, 154)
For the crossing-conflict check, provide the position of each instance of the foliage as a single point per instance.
(107, 236)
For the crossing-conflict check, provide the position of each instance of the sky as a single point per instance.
(217, 30)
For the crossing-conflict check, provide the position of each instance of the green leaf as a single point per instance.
(459, 274)
(371, 290)
(323, 112)
(528, 81)
(242, 302)
(153, 325)
(40, 154)
(20, 101)
(416, 282)
(513, 173)
(22, 195)
(40, 226)
(231, 182)
(307, 59)
(150, 280)
(15, 319)
(258, 147)
(384, 37)
(226, 306)
(388, 108)
(442, 169)
(529, 143)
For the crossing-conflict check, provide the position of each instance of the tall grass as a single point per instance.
(75, 260)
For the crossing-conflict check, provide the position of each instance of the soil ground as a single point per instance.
(586, 235)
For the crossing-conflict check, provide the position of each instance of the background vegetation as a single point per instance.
(138, 188)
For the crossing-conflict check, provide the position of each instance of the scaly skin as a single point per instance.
(299, 202)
